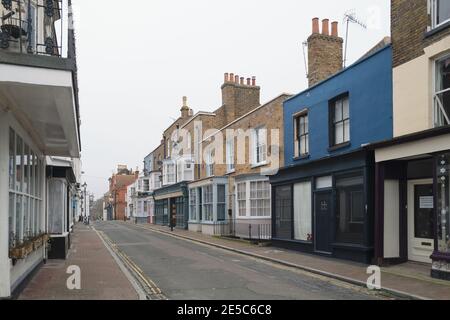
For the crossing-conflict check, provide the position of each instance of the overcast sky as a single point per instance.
(138, 58)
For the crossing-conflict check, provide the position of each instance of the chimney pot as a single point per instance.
(242, 81)
(334, 29)
(249, 81)
(226, 77)
(315, 25)
(231, 77)
(236, 79)
(326, 27)
(254, 81)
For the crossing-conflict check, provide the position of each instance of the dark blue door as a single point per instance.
(323, 210)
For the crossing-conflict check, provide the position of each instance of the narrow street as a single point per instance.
(187, 270)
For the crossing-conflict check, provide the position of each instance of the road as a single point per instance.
(184, 270)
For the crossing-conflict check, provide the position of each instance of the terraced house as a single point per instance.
(39, 118)
(412, 170)
(323, 198)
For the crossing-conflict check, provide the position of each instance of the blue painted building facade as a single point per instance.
(323, 199)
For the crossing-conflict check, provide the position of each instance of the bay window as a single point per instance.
(193, 204)
(441, 95)
(169, 172)
(221, 205)
(25, 191)
(260, 199)
(208, 203)
(440, 12)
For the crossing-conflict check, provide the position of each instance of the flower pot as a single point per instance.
(17, 253)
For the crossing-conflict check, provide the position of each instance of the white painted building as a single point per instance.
(39, 117)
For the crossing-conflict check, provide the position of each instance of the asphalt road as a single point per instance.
(191, 271)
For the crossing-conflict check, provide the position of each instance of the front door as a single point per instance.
(323, 213)
(420, 220)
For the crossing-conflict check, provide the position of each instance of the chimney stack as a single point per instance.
(325, 51)
(185, 110)
(315, 25)
(326, 27)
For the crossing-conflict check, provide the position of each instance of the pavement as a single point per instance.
(182, 269)
(101, 276)
(409, 280)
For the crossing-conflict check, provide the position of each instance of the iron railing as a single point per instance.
(241, 228)
(33, 26)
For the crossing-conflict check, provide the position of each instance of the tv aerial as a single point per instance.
(350, 17)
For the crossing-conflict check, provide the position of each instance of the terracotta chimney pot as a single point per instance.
(315, 25)
(326, 27)
(334, 29)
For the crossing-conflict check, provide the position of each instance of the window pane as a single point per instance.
(302, 211)
(350, 213)
(338, 111)
(19, 163)
(443, 11)
(345, 108)
(11, 230)
(26, 169)
(306, 124)
(12, 166)
(339, 133)
(346, 130)
(18, 227)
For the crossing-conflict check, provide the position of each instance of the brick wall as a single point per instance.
(409, 24)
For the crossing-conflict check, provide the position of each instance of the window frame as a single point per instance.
(434, 16)
(259, 149)
(298, 135)
(230, 147)
(436, 103)
(333, 123)
(248, 200)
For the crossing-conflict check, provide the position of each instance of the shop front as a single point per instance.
(171, 206)
(326, 207)
(412, 206)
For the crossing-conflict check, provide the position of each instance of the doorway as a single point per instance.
(323, 217)
(420, 220)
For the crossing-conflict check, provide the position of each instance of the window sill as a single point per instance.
(303, 157)
(339, 146)
(246, 218)
(257, 165)
(231, 172)
(437, 30)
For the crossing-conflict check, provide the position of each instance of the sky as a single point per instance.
(137, 59)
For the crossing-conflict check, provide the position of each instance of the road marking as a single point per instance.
(150, 289)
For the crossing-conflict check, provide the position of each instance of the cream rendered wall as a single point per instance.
(413, 90)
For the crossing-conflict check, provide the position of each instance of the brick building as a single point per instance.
(118, 184)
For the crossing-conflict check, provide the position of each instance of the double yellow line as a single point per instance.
(152, 291)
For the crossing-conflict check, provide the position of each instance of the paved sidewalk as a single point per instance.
(101, 276)
(410, 279)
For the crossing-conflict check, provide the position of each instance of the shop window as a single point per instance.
(443, 203)
(442, 92)
(339, 121)
(260, 199)
(301, 137)
(25, 191)
(303, 211)
(440, 12)
(350, 209)
(283, 212)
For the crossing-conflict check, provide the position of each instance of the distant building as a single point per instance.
(118, 184)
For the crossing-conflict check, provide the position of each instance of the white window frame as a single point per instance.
(259, 146)
(298, 146)
(343, 120)
(248, 200)
(33, 213)
(193, 205)
(433, 8)
(230, 156)
(206, 216)
(169, 172)
(210, 164)
(440, 117)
